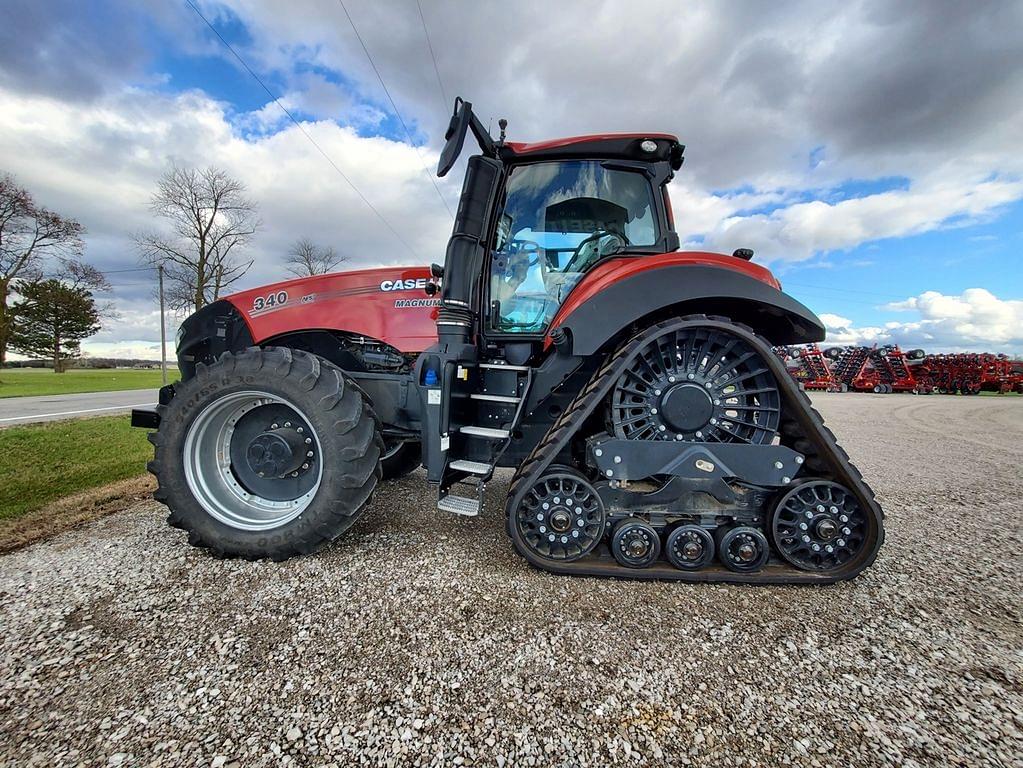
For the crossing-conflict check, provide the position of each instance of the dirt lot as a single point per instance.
(423, 640)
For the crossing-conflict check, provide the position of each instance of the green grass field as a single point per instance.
(43, 462)
(26, 382)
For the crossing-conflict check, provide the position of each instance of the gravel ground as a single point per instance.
(422, 639)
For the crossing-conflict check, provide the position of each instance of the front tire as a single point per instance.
(266, 453)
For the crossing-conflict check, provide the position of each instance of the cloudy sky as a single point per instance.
(870, 152)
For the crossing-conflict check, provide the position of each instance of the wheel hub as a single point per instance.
(692, 550)
(560, 520)
(251, 460)
(746, 552)
(687, 407)
(699, 384)
(276, 452)
(638, 547)
(827, 529)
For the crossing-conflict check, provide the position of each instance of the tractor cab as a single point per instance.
(533, 219)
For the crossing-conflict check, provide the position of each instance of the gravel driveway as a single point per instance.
(422, 639)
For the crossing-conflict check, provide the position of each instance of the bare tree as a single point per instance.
(306, 258)
(211, 221)
(29, 234)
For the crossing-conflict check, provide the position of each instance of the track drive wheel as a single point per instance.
(266, 453)
(561, 518)
(700, 384)
(819, 526)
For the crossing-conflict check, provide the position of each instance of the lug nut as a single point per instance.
(778, 465)
(799, 459)
(309, 454)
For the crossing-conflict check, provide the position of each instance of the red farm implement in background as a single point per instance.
(971, 373)
(889, 369)
(810, 368)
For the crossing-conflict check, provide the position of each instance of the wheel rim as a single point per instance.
(561, 517)
(743, 549)
(233, 440)
(819, 526)
(697, 385)
(690, 547)
(635, 544)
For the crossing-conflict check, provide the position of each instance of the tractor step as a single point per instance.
(487, 432)
(460, 505)
(472, 467)
(495, 398)
(503, 366)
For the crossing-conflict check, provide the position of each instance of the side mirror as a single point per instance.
(455, 136)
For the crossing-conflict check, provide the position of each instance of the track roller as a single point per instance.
(635, 544)
(690, 547)
(743, 549)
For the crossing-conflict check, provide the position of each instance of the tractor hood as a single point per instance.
(388, 304)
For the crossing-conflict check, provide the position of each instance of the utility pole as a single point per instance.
(163, 331)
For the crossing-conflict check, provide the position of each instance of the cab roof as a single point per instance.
(600, 146)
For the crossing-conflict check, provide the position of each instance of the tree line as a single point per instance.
(205, 221)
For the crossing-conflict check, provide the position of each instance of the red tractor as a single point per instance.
(653, 432)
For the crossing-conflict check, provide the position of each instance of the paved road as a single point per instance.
(23, 410)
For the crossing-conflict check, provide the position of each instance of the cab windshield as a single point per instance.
(560, 219)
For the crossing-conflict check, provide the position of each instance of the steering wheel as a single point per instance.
(594, 239)
(514, 269)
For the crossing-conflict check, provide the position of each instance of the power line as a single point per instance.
(303, 130)
(394, 106)
(429, 45)
(130, 269)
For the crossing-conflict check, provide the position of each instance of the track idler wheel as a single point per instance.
(561, 518)
(819, 526)
(635, 544)
(690, 547)
(743, 549)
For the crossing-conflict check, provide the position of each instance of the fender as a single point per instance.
(602, 305)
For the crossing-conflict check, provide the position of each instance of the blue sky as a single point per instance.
(865, 165)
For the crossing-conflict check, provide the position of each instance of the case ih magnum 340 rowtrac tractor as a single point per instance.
(653, 431)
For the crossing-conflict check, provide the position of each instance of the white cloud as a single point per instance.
(976, 320)
(860, 87)
(99, 161)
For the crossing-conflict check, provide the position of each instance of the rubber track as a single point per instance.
(801, 427)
